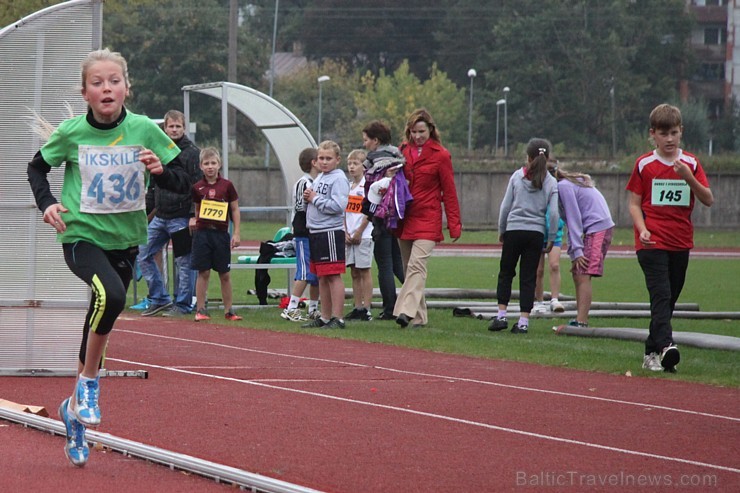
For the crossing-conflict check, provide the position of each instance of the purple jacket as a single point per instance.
(585, 211)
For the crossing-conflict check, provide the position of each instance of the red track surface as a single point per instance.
(345, 416)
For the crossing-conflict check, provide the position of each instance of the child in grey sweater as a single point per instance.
(530, 192)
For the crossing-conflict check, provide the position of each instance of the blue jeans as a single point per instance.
(159, 234)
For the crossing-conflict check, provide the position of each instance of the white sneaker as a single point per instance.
(556, 306)
(652, 362)
(539, 307)
(294, 315)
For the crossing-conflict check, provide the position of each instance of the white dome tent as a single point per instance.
(282, 129)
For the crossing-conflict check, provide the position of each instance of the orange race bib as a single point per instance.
(354, 204)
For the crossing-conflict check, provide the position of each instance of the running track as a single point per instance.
(345, 416)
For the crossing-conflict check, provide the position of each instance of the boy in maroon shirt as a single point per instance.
(216, 202)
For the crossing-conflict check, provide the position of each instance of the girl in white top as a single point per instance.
(358, 239)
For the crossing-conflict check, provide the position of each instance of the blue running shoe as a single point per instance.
(87, 410)
(76, 448)
(142, 305)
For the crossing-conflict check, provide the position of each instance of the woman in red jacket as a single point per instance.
(431, 183)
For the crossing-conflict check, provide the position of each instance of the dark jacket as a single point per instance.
(170, 204)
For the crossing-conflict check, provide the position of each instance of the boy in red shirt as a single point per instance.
(663, 186)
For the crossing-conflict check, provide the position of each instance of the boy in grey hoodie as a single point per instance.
(327, 200)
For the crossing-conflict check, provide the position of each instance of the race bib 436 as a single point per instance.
(112, 179)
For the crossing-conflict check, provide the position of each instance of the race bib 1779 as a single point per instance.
(112, 179)
(214, 210)
(670, 192)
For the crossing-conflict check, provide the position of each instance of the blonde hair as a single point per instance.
(41, 126)
(330, 145)
(104, 55)
(210, 152)
(357, 154)
(576, 178)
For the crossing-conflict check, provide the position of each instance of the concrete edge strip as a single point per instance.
(219, 472)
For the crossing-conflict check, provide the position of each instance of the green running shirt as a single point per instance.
(105, 201)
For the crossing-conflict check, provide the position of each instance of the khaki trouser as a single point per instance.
(411, 300)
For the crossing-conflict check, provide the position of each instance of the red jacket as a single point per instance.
(432, 183)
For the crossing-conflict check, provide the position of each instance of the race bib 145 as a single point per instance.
(670, 192)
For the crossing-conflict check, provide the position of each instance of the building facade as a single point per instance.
(714, 39)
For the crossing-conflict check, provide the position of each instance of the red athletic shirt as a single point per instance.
(660, 187)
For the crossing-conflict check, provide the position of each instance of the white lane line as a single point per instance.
(445, 377)
(442, 417)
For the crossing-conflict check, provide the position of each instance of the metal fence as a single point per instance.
(42, 304)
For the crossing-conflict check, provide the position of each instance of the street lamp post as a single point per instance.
(506, 121)
(321, 80)
(272, 72)
(498, 106)
(614, 128)
(471, 73)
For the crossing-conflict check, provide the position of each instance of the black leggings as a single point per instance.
(527, 246)
(108, 273)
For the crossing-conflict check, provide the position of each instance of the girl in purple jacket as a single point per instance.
(590, 228)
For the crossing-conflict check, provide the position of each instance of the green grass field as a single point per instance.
(712, 283)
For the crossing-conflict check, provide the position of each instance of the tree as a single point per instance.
(299, 93)
(373, 35)
(561, 60)
(392, 98)
(170, 44)
(15, 10)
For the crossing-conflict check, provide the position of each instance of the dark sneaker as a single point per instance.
(576, 323)
(403, 320)
(363, 315)
(76, 448)
(669, 358)
(386, 316)
(517, 329)
(314, 324)
(172, 311)
(354, 314)
(154, 309)
(498, 323)
(334, 323)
